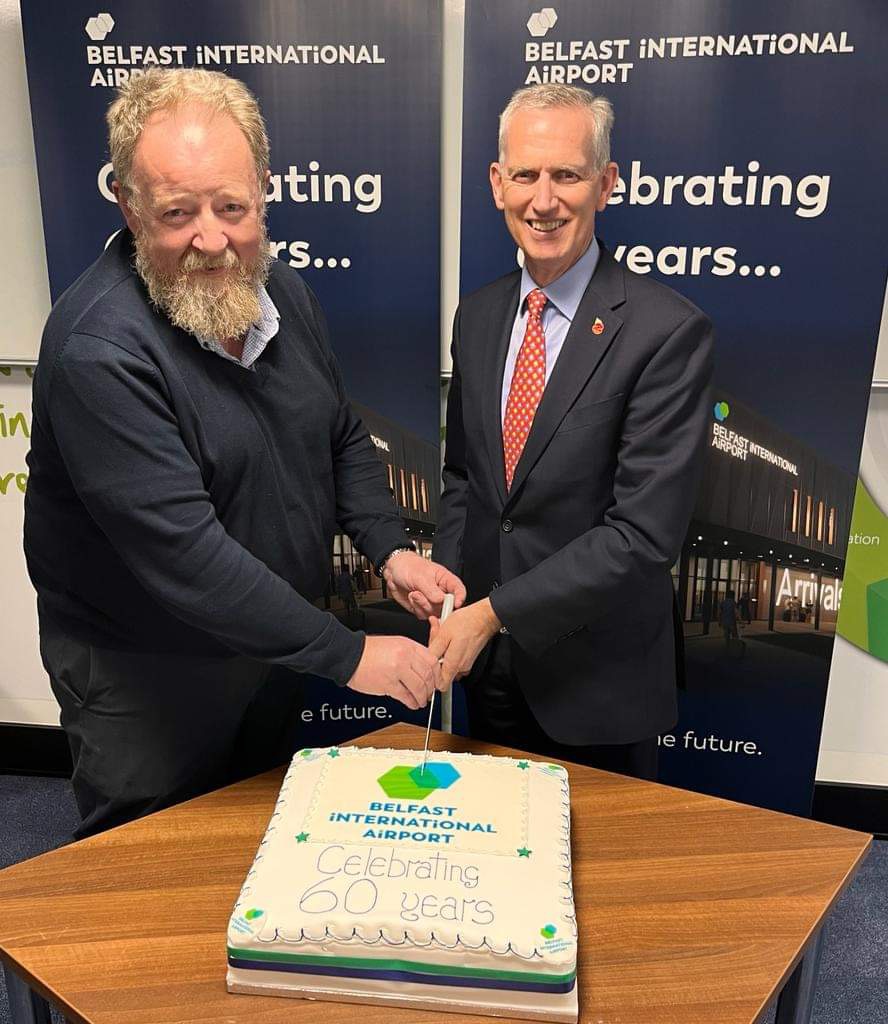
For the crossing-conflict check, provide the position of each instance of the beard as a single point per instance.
(208, 308)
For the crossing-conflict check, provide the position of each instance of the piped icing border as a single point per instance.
(434, 941)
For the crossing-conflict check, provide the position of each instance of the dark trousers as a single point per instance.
(150, 730)
(498, 713)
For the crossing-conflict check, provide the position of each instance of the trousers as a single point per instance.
(498, 713)
(149, 730)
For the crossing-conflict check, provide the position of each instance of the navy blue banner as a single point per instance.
(351, 96)
(350, 91)
(751, 164)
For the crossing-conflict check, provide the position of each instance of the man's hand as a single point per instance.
(419, 585)
(394, 666)
(460, 639)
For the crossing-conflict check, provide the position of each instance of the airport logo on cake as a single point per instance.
(369, 796)
(552, 944)
(249, 922)
(413, 782)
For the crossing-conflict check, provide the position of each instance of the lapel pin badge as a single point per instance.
(598, 326)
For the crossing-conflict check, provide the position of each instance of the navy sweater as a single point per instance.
(178, 502)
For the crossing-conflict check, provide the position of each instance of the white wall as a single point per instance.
(451, 169)
(880, 371)
(24, 294)
(24, 299)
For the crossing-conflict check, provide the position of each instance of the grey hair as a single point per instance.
(550, 95)
(167, 88)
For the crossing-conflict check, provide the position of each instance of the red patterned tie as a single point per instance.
(526, 389)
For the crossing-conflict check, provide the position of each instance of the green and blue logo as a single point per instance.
(721, 411)
(412, 782)
(548, 931)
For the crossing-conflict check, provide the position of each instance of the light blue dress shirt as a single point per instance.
(564, 295)
(258, 336)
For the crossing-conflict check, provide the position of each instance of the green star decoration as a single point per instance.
(524, 852)
(523, 764)
(334, 752)
(302, 837)
(306, 753)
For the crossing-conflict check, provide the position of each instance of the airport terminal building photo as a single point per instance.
(770, 524)
(413, 469)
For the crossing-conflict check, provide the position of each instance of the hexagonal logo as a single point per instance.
(444, 774)
(99, 26)
(412, 782)
(538, 24)
(721, 411)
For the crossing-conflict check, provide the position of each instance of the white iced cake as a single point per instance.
(448, 887)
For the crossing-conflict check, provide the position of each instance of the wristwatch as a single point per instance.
(379, 568)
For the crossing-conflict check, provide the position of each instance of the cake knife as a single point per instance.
(446, 609)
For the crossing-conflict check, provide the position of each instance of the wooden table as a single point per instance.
(690, 909)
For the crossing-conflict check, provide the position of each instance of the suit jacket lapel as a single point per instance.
(499, 331)
(580, 355)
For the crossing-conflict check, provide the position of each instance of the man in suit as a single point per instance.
(575, 430)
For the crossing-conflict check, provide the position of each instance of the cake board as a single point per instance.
(524, 1005)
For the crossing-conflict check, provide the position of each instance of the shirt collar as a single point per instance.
(260, 332)
(566, 291)
(269, 317)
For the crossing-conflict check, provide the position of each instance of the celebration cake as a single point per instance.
(447, 887)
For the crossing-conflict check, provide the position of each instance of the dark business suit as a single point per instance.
(576, 557)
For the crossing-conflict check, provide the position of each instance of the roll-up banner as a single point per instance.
(747, 135)
(854, 744)
(350, 91)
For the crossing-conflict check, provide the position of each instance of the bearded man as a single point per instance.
(192, 452)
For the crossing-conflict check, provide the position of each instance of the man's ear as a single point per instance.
(608, 182)
(496, 185)
(129, 215)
